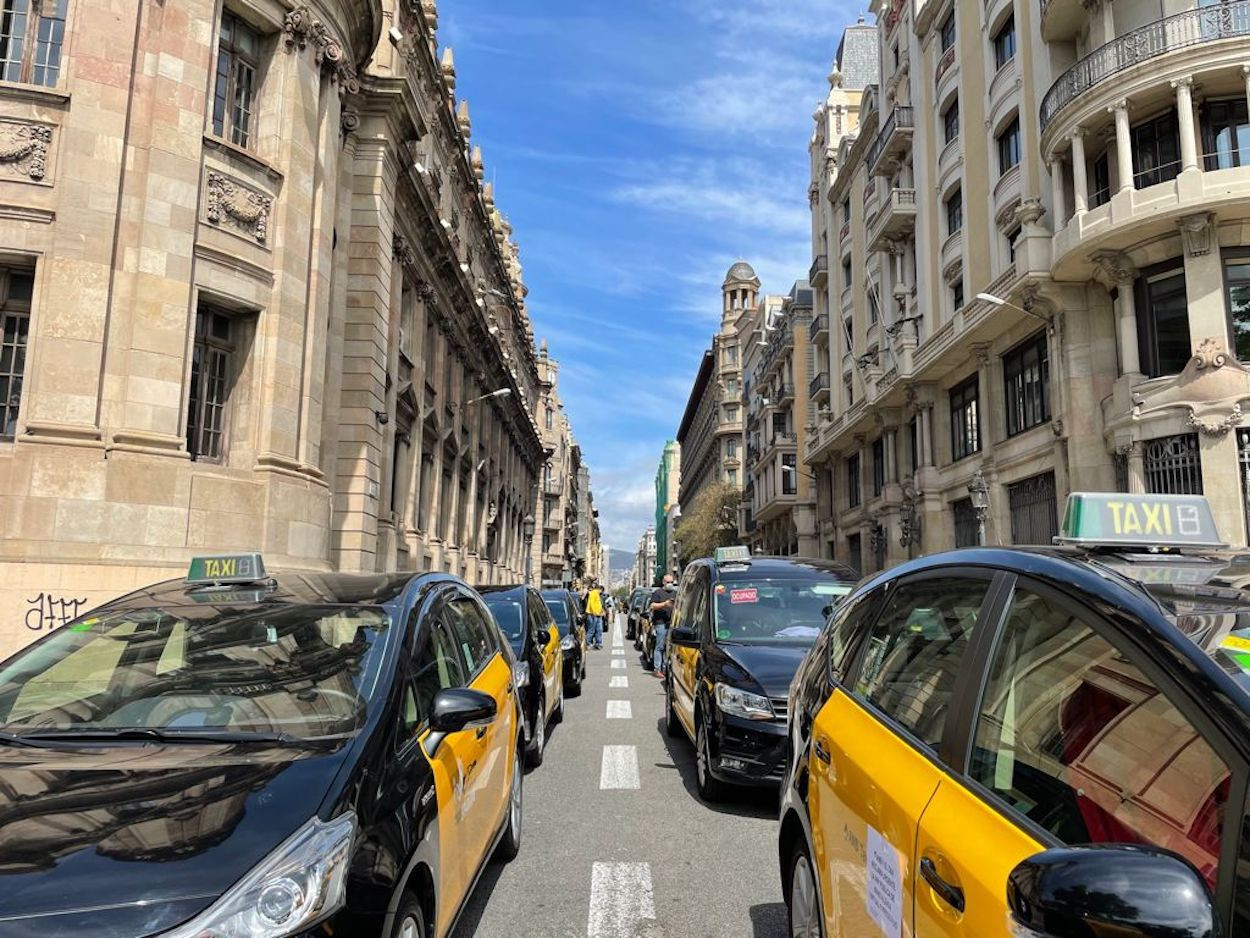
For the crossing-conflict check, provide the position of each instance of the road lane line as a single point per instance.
(618, 663)
(618, 651)
(619, 680)
(619, 768)
(620, 710)
(621, 899)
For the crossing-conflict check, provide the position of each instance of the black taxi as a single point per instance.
(238, 754)
(1048, 741)
(741, 626)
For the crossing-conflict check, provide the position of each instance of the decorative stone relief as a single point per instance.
(301, 29)
(24, 149)
(1215, 426)
(349, 120)
(402, 251)
(1210, 354)
(1113, 266)
(1196, 233)
(234, 205)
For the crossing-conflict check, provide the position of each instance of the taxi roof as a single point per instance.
(295, 588)
(777, 568)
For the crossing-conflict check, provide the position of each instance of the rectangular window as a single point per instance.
(1034, 518)
(1163, 322)
(731, 448)
(848, 389)
(732, 476)
(1026, 374)
(1005, 43)
(1009, 146)
(913, 437)
(31, 37)
(846, 273)
(18, 287)
(212, 376)
(789, 474)
(957, 294)
(954, 211)
(1156, 150)
(1012, 236)
(948, 31)
(1173, 465)
(1225, 134)
(1237, 293)
(853, 494)
(967, 530)
(1100, 194)
(874, 313)
(878, 467)
(965, 420)
(234, 90)
(855, 552)
(731, 355)
(950, 122)
(551, 418)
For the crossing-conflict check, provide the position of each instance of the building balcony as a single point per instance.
(944, 65)
(818, 331)
(818, 388)
(896, 218)
(553, 487)
(774, 504)
(553, 521)
(785, 394)
(892, 142)
(783, 439)
(818, 273)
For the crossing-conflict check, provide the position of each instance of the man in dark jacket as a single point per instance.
(662, 602)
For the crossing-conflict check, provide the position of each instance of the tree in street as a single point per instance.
(711, 522)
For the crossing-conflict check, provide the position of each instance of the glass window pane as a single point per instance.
(1075, 737)
(1239, 307)
(1169, 312)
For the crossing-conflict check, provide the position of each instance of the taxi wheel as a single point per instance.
(671, 725)
(535, 755)
(410, 922)
(804, 903)
(510, 843)
(710, 787)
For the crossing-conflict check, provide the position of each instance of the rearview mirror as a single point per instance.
(1129, 891)
(461, 708)
(684, 638)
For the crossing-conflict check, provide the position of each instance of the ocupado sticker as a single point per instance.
(751, 595)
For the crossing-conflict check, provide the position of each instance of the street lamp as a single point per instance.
(979, 491)
(502, 392)
(527, 530)
(999, 301)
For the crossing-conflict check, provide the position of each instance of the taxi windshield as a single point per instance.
(783, 611)
(560, 612)
(510, 615)
(301, 671)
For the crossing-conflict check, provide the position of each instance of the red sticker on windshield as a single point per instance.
(744, 596)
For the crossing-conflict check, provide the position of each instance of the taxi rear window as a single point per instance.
(560, 612)
(780, 611)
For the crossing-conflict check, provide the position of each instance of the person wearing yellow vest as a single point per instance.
(594, 616)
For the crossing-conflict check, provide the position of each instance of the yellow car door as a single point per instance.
(547, 643)
(875, 754)
(684, 661)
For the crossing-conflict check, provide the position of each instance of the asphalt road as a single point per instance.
(617, 844)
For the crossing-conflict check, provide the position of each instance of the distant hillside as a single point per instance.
(621, 560)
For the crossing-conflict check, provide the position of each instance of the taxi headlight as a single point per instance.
(567, 643)
(743, 703)
(521, 673)
(299, 884)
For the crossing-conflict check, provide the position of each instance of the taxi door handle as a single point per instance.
(950, 894)
(822, 751)
(481, 731)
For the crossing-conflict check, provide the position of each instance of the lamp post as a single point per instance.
(527, 530)
(999, 301)
(979, 490)
(502, 392)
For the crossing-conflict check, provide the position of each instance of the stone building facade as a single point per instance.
(1037, 245)
(255, 296)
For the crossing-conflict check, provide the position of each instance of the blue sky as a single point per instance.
(639, 149)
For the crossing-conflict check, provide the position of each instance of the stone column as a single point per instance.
(1126, 327)
(1185, 122)
(1058, 207)
(1080, 182)
(1123, 146)
(1136, 467)
(989, 411)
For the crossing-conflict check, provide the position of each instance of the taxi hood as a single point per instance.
(773, 666)
(128, 841)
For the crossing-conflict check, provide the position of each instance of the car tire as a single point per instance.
(510, 843)
(672, 725)
(803, 912)
(711, 789)
(575, 685)
(410, 919)
(538, 741)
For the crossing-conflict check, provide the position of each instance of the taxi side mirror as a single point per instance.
(1137, 892)
(684, 638)
(461, 708)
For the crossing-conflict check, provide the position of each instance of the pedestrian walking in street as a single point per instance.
(594, 616)
(662, 602)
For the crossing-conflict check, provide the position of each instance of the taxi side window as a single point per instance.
(698, 618)
(844, 626)
(436, 667)
(477, 643)
(916, 649)
(1076, 738)
(540, 622)
(685, 600)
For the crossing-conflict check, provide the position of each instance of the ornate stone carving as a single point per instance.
(1196, 231)
(233, 204)
(1114, 266)
(349, 120)
(1217, 427)
(300, 29)
(1210, 354)
(981, 353)
(402, 251)
(24, 148)
(1030, 211)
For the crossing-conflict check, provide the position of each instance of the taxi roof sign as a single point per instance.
(221, 569)
(1117, 519)
(738, 554)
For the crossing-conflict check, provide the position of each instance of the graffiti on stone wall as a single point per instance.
(50, 611)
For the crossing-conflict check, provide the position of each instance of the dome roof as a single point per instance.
(740, 271)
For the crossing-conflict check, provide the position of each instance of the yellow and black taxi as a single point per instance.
(741, 626)
(531, 632)
(634, 607)
(571, 624)
(238, 754)
(1049, 741)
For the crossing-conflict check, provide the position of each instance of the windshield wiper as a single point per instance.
(152, 734)
(13, 739)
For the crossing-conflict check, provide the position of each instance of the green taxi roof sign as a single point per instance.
(738, 554)
(221, 569)
(1117, 519)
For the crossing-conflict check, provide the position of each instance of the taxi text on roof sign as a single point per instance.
(227, 568)
(739, 554)
(1118, 519)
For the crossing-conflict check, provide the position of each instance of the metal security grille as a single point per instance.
(15, 294)
(1243, 463)
(1034, 517)
(1121, 472)
(1174, 465)
(965, 523)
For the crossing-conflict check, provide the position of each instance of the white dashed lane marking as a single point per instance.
(619, 680)
(618, 651)
(618, 663)
(620, 710)
(619, 769)
(621, 899)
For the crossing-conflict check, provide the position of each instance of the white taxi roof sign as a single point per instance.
(737, 554)
(1144, 521)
